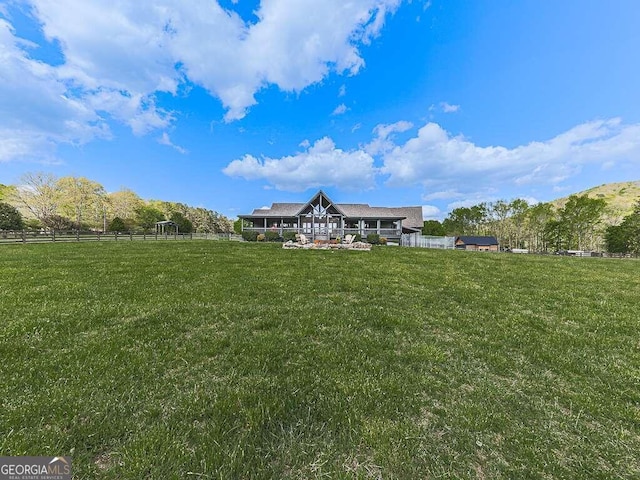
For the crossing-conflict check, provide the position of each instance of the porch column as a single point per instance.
(265, 224)
(378, 227)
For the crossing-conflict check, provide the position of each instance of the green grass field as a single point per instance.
(197, 360)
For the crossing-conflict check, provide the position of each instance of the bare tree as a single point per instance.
(38, 195)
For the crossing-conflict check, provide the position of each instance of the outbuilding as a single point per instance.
(478, 243)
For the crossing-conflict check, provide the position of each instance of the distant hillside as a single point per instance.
(620, 198)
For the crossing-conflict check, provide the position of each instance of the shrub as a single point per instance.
(33, 224)
(289, 236)
(272, 237)
(250, 236)
(373, 239)
(260, 237)
(383, 240)
(10, 218)
(117, 225)
(58, 222)
(357, 238)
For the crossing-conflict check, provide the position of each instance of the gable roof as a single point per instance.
(477, 240)
(315, 197)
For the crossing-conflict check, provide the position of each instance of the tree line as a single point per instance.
(581, 224)
(43, 201)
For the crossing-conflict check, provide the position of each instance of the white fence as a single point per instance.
(423, 241)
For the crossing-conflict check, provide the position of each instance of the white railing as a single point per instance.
(333, 232)
(423, 241)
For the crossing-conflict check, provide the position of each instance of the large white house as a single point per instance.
(321, 218)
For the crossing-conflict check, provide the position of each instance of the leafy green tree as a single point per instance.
(537, 218)
(117, 225)
(466, 220)
(10, 217)
(184, 224)
(555, 235)
(581, 217)
(147, 217)
(625, 238)
(33, 224)
(517, 222)
(237, 226)
(433, 228)
(123, 204)
(6, 192)
(632, 223)
(616, 239)
(82, 200)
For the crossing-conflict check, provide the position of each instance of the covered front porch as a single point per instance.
(329, 232)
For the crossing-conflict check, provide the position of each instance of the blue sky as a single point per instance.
(235, 104)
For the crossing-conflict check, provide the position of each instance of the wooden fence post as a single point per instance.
(24, 238)
(53, 235)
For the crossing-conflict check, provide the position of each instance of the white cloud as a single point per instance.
(450, 168)
(166, 140)
(431, 212)
(441, 195)
(448, 108)
(340, 109)
(434, 157)
(321, 165)
(384, 133)
(356, 127)
(118, 54)
(343, 91)
(137, 46)
(36, 112)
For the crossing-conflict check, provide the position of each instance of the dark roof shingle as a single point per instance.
(477, 240)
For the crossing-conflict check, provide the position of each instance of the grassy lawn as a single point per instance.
(226, 360)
